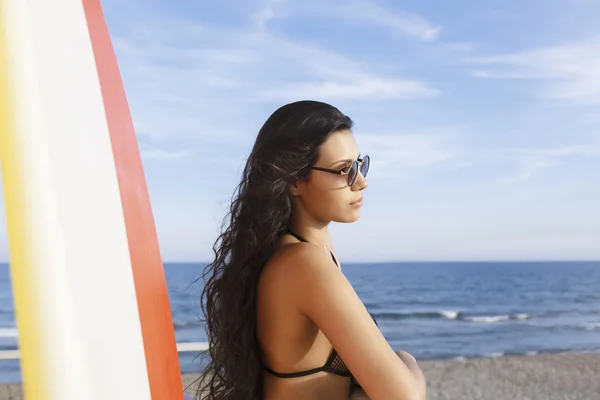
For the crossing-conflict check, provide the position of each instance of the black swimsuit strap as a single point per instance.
(294, 234)
(330, 366)
(294, 374)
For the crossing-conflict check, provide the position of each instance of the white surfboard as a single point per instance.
(91, 300)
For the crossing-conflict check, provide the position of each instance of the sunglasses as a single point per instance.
(351, 171)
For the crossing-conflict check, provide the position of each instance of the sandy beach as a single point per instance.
(539, 377)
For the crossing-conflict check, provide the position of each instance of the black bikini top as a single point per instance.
(334, 363)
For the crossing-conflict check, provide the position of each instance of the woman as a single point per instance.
(282, 320)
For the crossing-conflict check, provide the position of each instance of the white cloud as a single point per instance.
(528, 170)
(570, 72)
(393, 152)
(530, 161)
(449, 147)
(203, 82)
(272, 9)
(367, 88)
(359, 12)
(401, 22)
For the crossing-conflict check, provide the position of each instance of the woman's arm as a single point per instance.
(413, 366)
(357, 393)
(324, 295)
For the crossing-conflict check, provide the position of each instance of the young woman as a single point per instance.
(283, 322)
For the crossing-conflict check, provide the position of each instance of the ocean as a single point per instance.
(433, 310)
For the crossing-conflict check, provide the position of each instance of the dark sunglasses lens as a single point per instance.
(352, 173)
(364, 168)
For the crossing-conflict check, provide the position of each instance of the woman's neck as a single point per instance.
(312, 231)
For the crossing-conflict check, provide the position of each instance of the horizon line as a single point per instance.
(438, 261)
(422, 261)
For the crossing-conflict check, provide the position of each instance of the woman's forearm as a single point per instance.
(357, 393)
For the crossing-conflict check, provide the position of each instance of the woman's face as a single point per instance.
(326, 196)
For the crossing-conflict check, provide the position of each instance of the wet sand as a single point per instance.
(537, 377)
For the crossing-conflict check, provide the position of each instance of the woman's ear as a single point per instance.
(294, 191)
(297, 186)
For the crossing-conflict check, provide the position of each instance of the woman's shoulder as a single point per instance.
(293, 268)
(298, 261)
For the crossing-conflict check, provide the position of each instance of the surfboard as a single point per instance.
(91, 300)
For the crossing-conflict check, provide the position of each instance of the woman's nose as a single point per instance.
(360, 183)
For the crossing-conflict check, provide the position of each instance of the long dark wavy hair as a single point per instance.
(285, 148)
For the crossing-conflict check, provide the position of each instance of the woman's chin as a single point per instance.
(350, 217)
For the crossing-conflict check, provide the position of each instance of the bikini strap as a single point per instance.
(294, 234)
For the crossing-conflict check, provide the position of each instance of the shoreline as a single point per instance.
(541, 376)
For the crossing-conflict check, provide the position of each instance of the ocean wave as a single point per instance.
(591, 326)
(447, 314)
(490, 319)
(496, 354)
(9, 333)
(452, 315)
(486, 319)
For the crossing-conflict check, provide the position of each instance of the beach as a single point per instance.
(535, 377)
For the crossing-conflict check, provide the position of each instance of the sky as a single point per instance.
(482, 118)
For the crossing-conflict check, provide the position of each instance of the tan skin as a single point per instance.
(306, 305)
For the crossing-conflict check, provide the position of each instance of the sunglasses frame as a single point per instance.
(359, 163)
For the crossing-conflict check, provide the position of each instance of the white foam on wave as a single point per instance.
(522, 316)
(592, 326)
(487, 319)
(9, 333)
(450, 314)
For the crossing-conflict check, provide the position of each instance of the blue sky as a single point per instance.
(481, 117)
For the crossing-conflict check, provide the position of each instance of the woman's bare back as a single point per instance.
(290, 341)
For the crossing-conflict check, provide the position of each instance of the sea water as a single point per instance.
(432, 310)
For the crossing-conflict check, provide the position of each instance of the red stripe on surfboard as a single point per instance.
(150, 285)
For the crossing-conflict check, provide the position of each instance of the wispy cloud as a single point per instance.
(359, 13)
(367, 88)
(527, 170)
(194, 80)
(271, 9)
(570, 72)
(398, 21)
(530, 161)
(393, 152)
(450, 148)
